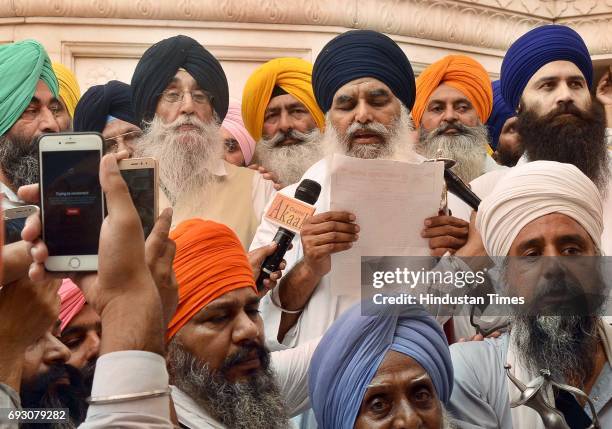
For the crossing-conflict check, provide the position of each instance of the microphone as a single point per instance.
(307, 191)
(457, 187)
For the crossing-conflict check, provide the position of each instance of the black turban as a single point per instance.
(159, 65)
(357, 54)
(99, 102)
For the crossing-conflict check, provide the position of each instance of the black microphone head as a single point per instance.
(308, 191)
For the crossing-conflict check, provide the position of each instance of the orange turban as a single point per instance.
(210, 262)
(462, 73)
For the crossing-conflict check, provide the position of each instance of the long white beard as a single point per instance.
(469, 149)
(186, 159)
(290, 162)
(398, 140)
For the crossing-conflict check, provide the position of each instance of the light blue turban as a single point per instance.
(353, 348)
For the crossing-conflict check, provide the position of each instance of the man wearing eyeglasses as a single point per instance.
(180, 97)
(29, 106)
(107, 109)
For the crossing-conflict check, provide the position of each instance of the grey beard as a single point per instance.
(186, 159)
(18, 161)
(565, 345)
(398, 143)
(469, 149)
(254, 404)
(290, 162)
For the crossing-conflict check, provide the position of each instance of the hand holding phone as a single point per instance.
(14, 221)
(140, 174)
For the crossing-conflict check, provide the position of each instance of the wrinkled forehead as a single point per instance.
(557, 70)
(363, 86)
(183, 80)
(552, 228)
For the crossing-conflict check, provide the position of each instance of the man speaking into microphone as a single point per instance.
(364, 83)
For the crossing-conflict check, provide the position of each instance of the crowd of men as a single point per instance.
(172, 331)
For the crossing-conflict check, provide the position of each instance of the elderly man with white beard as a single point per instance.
(538, 215)
(280, 111)
(180, 95)
(454, 98)
(364, 82)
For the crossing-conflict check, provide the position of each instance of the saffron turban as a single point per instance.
(72, 302)
(234, 125)
(357, 54)
(460, 72)
(500, 114)
(210, 262)
(69, 90)
(355, 345)
(101, 101)
(159, 65)
(536, 48)
(293, 75)
(533, 190)
(22, 65)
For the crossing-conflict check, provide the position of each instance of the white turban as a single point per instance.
(534, 190)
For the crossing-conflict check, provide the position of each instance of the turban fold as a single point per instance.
(292, 75)
(460, 72)
(355, 345)
(536, 48)
(22, 65)
(500, 114)
(533, 190)
(100, 101)
(72, 302)
(234, 125)
(69, 90)
(210, 262)
(357, 54)
(159, 65)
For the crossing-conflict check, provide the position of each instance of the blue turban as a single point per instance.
(357, 54)
(499, 115)
(99, 102)
(535, 49)
(353, 348)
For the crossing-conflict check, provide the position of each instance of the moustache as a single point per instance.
(186, 120)
(564, 109)
(281, 137)
(372, 128)
(455, 126)
(244, 354)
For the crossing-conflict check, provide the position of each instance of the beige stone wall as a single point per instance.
(103, 39)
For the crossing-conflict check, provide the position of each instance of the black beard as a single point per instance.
(578, 139)
(19, 161)
(44, 392)
(254, 403)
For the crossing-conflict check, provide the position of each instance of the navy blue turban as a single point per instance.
(535, 49)
(499, 115)
(100, 102)
(353, 348)
(357, 54)
(159, 65)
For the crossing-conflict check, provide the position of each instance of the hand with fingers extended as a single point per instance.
(268, 175)
(324, 234)
(445, 234)
(123, 277)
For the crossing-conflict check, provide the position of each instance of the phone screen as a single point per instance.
(72, 202)
(12, 229)
(141, 183)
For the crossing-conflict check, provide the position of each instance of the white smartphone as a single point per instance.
(140, 174)
(71, 200)
(14, 221)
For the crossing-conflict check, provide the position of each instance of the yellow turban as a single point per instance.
(293, 75)
(69, 90)
(462, 73)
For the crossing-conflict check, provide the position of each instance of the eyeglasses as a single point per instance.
(176, 96)
(111, 144)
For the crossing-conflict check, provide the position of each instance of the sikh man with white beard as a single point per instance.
(454, 99)
(280, 111)
(180, 95)
(538, 215)
(365, 84)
